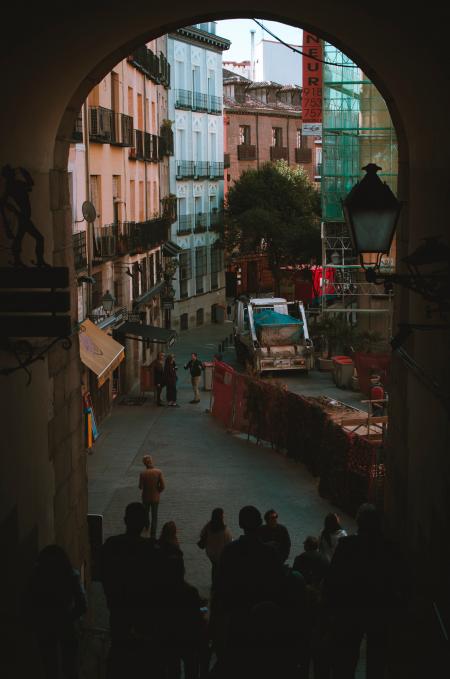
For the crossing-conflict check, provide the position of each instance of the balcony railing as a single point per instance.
(155, 67)
(198, 101)
(123, 238)
(216, 170)
(166, 141)
(77, 132)
(246, 152)
(303, 155)
(201, 169)
(185, 169)
(79, 249)
(185, 224)
(278, 153)
(199, 222)
(183, 99)
(108, 127)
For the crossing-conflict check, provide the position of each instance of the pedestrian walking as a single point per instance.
(170, 380)
(195, 366)
(158, 377)
(55, 601)
(168, 541)
(151, 483)
(332, 532)
(213, 538)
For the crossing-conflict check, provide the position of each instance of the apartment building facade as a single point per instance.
(196, 172)
(119, 161)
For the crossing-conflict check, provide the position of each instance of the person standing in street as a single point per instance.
(158, 377)
(195, 367)
(170, 380)
(275, 534)
(151, 483)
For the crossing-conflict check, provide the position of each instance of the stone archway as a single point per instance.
(49, 64)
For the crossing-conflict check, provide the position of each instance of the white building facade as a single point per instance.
(196, 172)
(274, 62)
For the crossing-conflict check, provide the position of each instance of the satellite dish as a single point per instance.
(89, 211)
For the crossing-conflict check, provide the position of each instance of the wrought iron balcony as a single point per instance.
(185, 224)
(123, 238)
(303, 155)
(216, 170)
(138, 145)
(278, 153)
(185, 169)
(77, 132)
(108, 127)
(201, 169)
(216, 220)
(199, 101)
(246, 152)
(105, 242)
(183, 99)
(79, 249)
(166, 141)
(201, 222)
(214, 104)
(146, 61)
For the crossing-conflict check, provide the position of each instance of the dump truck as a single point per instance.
(268, 339)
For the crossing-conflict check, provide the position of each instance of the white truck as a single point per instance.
(267, 338)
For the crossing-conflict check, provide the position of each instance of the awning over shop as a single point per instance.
(171, 249)
(147, 296)
(152, 333)
(98, 351)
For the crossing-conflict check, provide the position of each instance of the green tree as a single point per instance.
(275, 210)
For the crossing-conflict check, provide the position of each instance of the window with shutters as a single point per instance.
(200, 268)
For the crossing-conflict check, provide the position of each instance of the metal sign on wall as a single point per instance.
(312, 85)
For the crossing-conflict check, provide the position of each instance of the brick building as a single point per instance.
(263, 123)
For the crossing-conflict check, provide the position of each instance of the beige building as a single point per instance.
(123, 171)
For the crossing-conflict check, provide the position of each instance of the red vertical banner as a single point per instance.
(312, 85)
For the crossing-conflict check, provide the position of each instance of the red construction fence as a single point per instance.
(348, 465)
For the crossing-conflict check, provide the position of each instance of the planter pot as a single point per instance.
(326, 364)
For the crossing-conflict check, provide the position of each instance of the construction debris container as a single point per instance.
(208, 369)
(343, 372)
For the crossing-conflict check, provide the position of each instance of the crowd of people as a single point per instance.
(264, 618)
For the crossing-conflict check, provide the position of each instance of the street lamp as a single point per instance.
(372, 211)
(108, 302)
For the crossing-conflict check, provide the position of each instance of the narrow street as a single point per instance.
(204, 467)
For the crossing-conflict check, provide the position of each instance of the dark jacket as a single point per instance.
(278, 537)
(170, 374)
(158, 373)
(312, 565)
(195, 367)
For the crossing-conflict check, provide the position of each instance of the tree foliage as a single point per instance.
(275, 210)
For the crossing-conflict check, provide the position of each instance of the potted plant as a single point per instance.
(336, 334)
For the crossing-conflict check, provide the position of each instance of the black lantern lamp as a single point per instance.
(372, 211)
(108, 302)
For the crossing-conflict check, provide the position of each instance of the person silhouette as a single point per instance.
(15, 211)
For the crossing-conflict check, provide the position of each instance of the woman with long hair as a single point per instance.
(55, 600)
(170, 379)
(332, 532)
(168, 540)
(213, 538)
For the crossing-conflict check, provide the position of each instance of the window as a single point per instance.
(141, 202)
(144, 276)
(140, 113)
(152, 270)
(116, 197)
(299, 139)
(130, 102)
(185, 273)
(216, 266)
(97, 290)
(200, 268)
(277, 136)
(132, 215)
(244, 134)
(184, 322)
(96, 198)
(199, 316)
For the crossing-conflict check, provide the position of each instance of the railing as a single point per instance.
(303, 155)
(108, 127)
(246, 152)
(155, 67)
(183, 99)
(77, 132)
(215, 104)
(201, 169)
(153, 143)
(200, 222)
(199, 101)
(215, 170)
(185, 223)
(139, 144)
(278, 153)
(226, 160)
(116, 240)
(185, 168)
(165, 141)
(79, 249)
